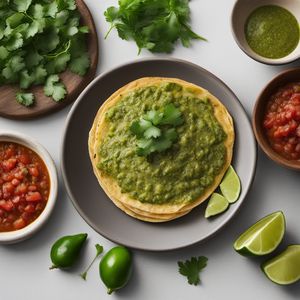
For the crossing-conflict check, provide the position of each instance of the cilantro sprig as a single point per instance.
(39, 39)
(155, 131)
(154, 24)
(192, 268)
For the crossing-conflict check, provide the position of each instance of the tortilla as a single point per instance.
(147, 211)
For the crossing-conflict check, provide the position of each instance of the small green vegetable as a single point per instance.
(115, 268)
(99, 250)
(154, 24)
(192, 268)
(155, 131)
(65, 251)
(39, 40)
(25, 99)
(55, 88)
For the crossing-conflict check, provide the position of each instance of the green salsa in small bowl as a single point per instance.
(268, 31)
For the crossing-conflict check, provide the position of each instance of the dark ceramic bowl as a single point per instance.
(289, 76)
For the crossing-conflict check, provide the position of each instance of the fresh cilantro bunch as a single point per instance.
(156, 131)
(38, 40)
(154, 24)
(192, 268)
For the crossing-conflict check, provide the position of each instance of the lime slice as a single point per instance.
(263, 237)
(216, 205)
(231, 186)
(285, 268)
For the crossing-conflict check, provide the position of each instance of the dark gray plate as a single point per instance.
(90, 200)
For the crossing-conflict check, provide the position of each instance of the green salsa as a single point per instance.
(178, 175)
(272, 31)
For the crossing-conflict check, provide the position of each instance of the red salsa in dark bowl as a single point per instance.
(282, 121)
(24, 186)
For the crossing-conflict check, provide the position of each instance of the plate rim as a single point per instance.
(63, 146)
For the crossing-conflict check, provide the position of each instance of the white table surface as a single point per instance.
(24, 270)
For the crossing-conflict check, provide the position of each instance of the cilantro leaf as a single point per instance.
(25, 80)
(155, 25)
(33, 58)
(37, 11)
(66, 4)
(72, 30)
(48, 40)
(33, 29)
(152, 132)
(84, 29)
(14, 42)
(171, 134)
(26, 99)
(155, 131)
(139, 127)
(3, 3)
(192, 268)
(13, 66)
(61, 18)
(161, 144)
(1, 31)
(3, 53)
(54, 88)
(51, 9)
(80, 65)
(22, 5)
(58, 63)
(14, 20)
(154, 116)
(172, 115)
(39, 74)
(111, 14)
(144, 147)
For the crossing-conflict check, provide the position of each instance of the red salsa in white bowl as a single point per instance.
(28, 186)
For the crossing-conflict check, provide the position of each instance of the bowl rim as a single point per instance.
(27, 141)
(262, 141)
(258, 58)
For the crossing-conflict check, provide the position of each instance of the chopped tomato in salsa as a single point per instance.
(282, 121)
(24, 186)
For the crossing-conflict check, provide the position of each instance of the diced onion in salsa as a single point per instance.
(24, 186)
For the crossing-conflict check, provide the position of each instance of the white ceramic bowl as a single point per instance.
(241, 11)
(26, 232)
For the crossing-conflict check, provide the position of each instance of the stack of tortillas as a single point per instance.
(133, 207)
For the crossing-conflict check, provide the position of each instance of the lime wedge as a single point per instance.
(263, 237)
(285, 268)
(231, 186)
(216, 205)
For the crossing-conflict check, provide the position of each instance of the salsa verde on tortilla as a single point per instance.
(167, 183)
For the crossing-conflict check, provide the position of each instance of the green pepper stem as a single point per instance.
(99, 250)
(110, 291)
(53, 267)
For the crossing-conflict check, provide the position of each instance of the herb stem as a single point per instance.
(99, 250)
(109, 31)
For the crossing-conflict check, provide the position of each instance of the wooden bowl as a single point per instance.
(289, 76)
(75, 84)
(240, 13)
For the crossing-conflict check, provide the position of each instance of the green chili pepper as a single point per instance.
(65, 251)
(115, 268)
